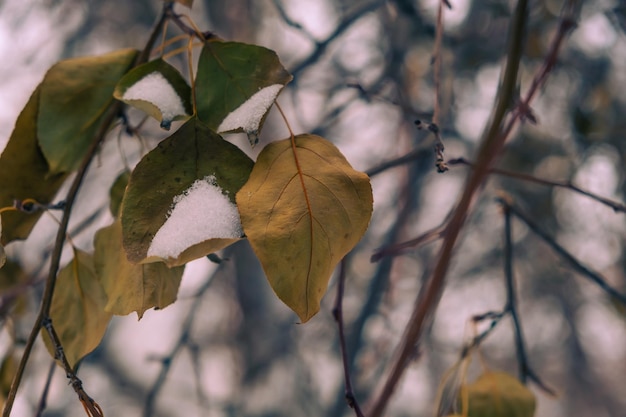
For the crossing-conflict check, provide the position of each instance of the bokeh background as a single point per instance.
(362, 75)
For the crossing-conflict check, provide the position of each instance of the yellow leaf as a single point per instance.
(77, 309)
(132, 287)
(302, 213)
(498, 394)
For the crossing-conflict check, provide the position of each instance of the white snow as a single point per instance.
(155, 89)
(248, 116)
(200, 213)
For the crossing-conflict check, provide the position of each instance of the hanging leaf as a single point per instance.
(24, 173)
(158, 89)
(132, 287)
(75, 96)
(236, 85)
(116, 193)
(77, 309)
(302, 216)
(179, 204)
(498, 394)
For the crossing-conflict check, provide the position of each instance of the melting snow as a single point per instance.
(155, 89)
(248, 116)
(202, 212)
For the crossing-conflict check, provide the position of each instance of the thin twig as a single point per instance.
(575, 263)
(184, 340)
(46, 389)
(91, 407)
(380, 279)
(400, 248)
(55, 259)
(615, 205)
(338, 315)
(511, 302)
(321, 46)
(290, 22)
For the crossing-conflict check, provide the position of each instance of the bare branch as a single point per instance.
(338, 315)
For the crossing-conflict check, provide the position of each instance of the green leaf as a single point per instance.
(132, 287)
(498, 394)
(75, 96)
(302, 222)
(236, 85)
(194, 162)
(24, 173)
(77, 309)
(158, 89)
(116, 193)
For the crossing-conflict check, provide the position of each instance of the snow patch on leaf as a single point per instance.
(201, 213)
(154, 88)
(248, 116)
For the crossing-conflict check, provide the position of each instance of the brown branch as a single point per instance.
(338, 315)
(91, 407)
(615, 205)
(491, 144)
(400, 248)
(55, 259)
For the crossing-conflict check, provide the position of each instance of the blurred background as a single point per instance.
(362, 76)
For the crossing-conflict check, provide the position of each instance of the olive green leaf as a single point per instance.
(303, 209)
(179, 203)
(75, 96)
(236, 85)
(132, 287)
(24, 173)
(498, 394)
(77, 310)
(116, 193)
(158, 89)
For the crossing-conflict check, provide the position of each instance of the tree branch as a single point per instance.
(430, 294)
(55, 259)
(577, 265)
(615, 205)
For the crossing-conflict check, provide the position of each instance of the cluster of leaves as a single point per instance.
(301, 205)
